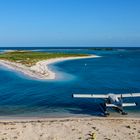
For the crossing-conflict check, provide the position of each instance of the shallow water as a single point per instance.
(116, 71)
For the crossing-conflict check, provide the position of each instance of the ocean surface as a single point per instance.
(116, 71)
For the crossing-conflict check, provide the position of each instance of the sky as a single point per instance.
(69, 23)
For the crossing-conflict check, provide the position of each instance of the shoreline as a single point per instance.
(57, 119)
(41, 69)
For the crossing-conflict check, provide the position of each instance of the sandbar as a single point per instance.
(40, 70)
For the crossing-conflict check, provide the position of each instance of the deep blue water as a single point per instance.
(116, 71)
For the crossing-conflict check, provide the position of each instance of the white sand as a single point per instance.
(71, 129)
(40, 70)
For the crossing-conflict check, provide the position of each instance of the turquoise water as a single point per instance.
(116, 71)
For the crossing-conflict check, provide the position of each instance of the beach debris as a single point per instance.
(92, 136)
(107, 139)
(94, 128)
(15, 137)
(128, 126)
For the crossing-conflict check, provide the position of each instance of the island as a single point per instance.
(35, 64)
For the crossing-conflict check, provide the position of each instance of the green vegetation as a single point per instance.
(29, 58)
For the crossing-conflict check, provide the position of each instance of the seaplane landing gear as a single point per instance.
(124, 113)
(106, 113)
(121, 111)
(104, 110)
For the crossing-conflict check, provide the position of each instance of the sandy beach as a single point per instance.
(71, 129)
(41, 69)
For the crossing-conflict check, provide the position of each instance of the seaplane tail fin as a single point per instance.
(129, 104)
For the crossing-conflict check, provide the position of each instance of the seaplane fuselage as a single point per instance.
(113, 99)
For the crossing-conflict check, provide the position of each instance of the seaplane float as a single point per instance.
(114, 101)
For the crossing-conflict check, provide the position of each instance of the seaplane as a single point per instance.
(114, 101)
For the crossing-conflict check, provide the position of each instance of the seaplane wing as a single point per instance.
(90, 96)
(128, 95)
(129, 104)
